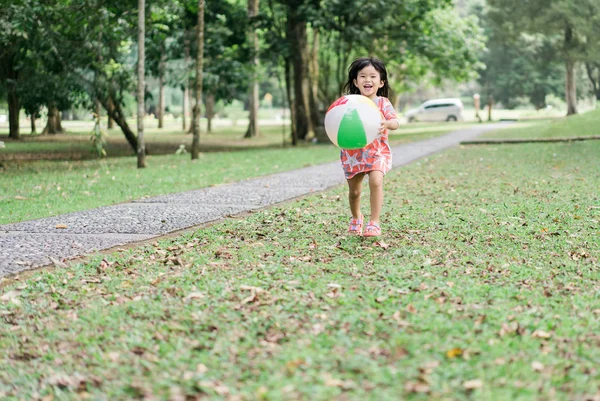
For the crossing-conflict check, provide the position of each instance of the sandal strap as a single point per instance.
(374, 227)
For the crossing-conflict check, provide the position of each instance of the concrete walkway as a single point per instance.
(31, 244)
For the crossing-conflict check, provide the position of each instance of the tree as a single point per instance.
(566, 23)
(518, 65)
(198, 85)
(141, 71)
(253, 102)
(16, 20)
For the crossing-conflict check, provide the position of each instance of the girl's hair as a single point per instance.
(358, 65)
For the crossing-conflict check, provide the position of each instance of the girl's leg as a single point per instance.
(376, 187)
(354, 191)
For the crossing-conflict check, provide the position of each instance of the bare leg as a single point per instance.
(376, 187)
(354, 191)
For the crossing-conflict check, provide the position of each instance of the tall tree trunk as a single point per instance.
(110, 123)
(141, 85)
(570, 83)
(14, 104)
(288, 90)
(592, 68)
(161, 87)
(184, 95)
(116, 112)
(571, 88)
(33, 127)
(14, 109)
(53, 125)
(210, 110)
(198, 87)
(253, 130)
(296, 36)
(186, 81)
(316, 119)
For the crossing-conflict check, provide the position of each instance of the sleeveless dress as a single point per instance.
(376, 156)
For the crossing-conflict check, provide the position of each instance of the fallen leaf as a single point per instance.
(454, 352)
(10, 295)
(537, 366)
(540, 334)
(60, 226)
(381, 244)
(473, 384)
(57, 262)
(194, 295)
(416, 387)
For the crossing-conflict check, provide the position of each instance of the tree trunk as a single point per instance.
(115, 111)
(571, 88)
(33, 127)
(316, 119)
(591, 68)
(288, 90)
(141, 85)
(253, 100)
(296, 36)
(198, 87)
(110, 123)
(570, 84)
(53, 125)
(210, 110)
(161, 88)
(14, 106)
(184, 94)
(186, 82)
(13, 113)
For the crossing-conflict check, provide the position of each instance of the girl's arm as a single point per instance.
(390, 121)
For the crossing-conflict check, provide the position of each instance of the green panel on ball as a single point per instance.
(351, 133)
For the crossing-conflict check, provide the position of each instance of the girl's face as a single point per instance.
(368, 81)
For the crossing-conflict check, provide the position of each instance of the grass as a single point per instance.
(579, 125)
(47, 188)
(484, 286)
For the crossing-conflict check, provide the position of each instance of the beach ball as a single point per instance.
(352, 122)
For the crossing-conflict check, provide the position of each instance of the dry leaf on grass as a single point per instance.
(454, 352)
(473, 384)
(417, 387)
(540, 334)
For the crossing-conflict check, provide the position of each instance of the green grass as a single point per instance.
(579, 125)
(47, 188)
(484, 286)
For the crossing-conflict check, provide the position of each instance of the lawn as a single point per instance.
(484, 286)
(585, 124)
(35, 189)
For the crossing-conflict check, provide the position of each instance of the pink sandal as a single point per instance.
(356, 226)
(372, 230)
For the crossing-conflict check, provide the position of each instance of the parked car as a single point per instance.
(437, 110)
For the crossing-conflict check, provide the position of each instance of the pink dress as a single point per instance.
(376, 156)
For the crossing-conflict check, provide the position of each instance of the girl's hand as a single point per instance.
(388, 124)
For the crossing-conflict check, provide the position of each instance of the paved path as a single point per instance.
(35, 243)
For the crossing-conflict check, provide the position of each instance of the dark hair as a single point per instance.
(358, 65)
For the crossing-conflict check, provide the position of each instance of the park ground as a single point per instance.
(483, 287)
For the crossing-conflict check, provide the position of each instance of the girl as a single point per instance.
(368, 77)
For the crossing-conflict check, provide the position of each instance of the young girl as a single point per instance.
(368, 77)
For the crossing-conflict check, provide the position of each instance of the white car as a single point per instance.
(437, 110)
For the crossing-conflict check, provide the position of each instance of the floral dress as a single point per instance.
(376, 156)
